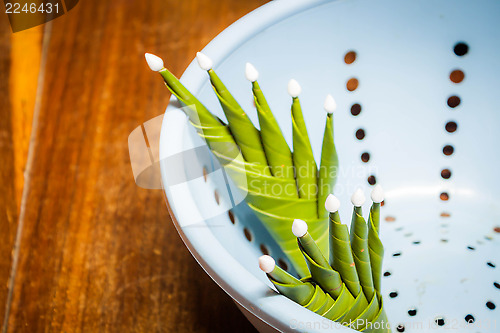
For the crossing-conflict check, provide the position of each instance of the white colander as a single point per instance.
(431, 142)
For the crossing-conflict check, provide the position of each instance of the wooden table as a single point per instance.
(83, 248)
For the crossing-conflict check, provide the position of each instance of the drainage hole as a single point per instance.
(469, 319)
(350, 57)
(490, 305)
(496, 284)
(444, 196)
(489, 263)
(448, 150)
(440, 321)
(446, 173)
(372, 180)
(451, 126)
(264, 249)
(444, 240)
(416, 242)
(412, 312)
(356, 109)
(283, 264)
(400, 328)
(393, 294)
(248, 234)
(360, 134)
(461, 49)
(397, 254)
(453, 101)
(230, 214)
(471, 248)
(457, 76)
(205, 174)
(387, 273)
(365, 157)
(352, 84)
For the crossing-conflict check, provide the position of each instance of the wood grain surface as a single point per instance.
(8, 209)
(95, 253)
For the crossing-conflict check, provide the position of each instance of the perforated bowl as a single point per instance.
(417, 113)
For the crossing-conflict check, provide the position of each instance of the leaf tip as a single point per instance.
(377, 194)
(330, 105)
(299, 228)
(294, 88)
(251, 72)
(204, 61)
(358, 198)
(155, 63)
(266, 263)
(332, 203)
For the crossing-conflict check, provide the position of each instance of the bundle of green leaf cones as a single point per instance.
(345, 288)
(341, 271)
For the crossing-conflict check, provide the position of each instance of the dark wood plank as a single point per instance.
(97, 253)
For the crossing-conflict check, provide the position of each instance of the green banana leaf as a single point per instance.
(341, 258)
(375, 247)
(277, 151)
(341, 306)
(380, 323)
(359, 246)
(247, 137)
(305, 166)
(328, 167)
(301, 292)
(321, 272)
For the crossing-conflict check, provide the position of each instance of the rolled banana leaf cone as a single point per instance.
(303, 292)
(288, 285)
(321, 272)
(375, 247)
(279, 227)
(209, 127)
(341, 258)
(244, 132)
(277, 151)
(380, 323)
(321, 302)
(341, 306)
(327, 174)
(359, 246)
(306, 169)
(344, 309)
(200, 114)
